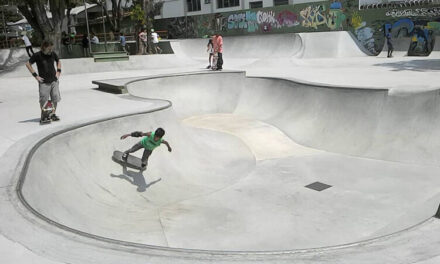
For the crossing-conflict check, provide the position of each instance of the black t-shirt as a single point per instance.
(85, 42)
(66, 40)
(45, 65)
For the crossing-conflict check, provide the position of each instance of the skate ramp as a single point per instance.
(243, 47)
(328, 45)
(293, 45)
(87, 65)
(243, 150)
(401, 46)
(10, 58)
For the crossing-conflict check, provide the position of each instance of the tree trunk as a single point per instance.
(69, 23)
(50, 29)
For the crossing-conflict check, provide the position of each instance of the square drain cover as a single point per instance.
(318, 186)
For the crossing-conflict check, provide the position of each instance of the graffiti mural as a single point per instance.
(287, 19)
(262, 21)
(416, 26)
(313, 16)
(419, 12)
(335, 16)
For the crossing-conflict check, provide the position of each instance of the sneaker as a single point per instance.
(208, 67)
(144, 166)
(125, 156)
(54, 117)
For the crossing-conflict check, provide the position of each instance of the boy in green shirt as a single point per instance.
(150, 141)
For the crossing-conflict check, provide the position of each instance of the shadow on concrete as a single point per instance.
(413, 65)
(33, 120)
(136, 178)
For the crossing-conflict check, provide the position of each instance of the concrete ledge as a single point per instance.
(112, 87)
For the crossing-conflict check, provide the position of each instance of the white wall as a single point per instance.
(266, 3)
(173, 8)
(177, 8)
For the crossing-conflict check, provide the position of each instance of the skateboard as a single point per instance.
(46, 113)
(132, 161)
(214, 62)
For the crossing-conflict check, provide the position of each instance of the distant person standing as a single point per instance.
(28, 45)
(123, 42)
(65, 39)
(85, 45)
(218, 48)
(94, 39)
(389, 45)
(47, 76)
(155, 41)
(210, 50)
(143, 37)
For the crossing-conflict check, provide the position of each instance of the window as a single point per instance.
(193, 5)
(258, 4)
(280, 2)
(228, 3)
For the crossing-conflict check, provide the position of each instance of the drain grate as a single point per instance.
(318, 186)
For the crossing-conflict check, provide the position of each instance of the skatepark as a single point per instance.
(287, 113)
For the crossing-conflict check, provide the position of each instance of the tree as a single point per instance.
(116, 14)
(47, 28)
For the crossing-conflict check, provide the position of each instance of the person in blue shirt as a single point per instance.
(389, 45)
(123, 42)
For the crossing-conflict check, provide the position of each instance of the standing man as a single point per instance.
(47, 76)
(143, 37)
(85, 45)
(389, 44)
(155, 40)
(28, 45)
(218, 48)
(123, 42)
(94, 39)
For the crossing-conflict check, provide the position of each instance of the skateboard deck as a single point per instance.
(132, 161)
(46, 113)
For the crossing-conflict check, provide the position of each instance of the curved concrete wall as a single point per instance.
(73, 181)
(297, 45)
(211, 193)
(368, 123)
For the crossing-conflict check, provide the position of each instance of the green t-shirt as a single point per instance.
(149, 143)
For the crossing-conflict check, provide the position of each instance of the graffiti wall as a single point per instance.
(416, 25)
(319, 16)
(412, 30)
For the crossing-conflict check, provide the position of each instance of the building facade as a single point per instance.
(179, 8)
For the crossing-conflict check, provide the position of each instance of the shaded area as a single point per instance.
(135, 178)
(33, 120)
(413, 65)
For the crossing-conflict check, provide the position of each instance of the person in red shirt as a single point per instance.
(218, 48)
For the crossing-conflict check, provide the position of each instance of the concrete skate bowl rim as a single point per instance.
(193, 252)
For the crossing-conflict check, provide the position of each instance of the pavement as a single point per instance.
(286, 112)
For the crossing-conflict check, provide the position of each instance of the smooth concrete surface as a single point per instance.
(298, 45)
(233, 189)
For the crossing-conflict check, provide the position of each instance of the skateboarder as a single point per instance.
(155, 42)
(218, 49)
(28, 45)
(47, 77)
(150, 141)
(389, 45)
(210, 50)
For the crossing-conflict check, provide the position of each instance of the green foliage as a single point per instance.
(137, 14)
